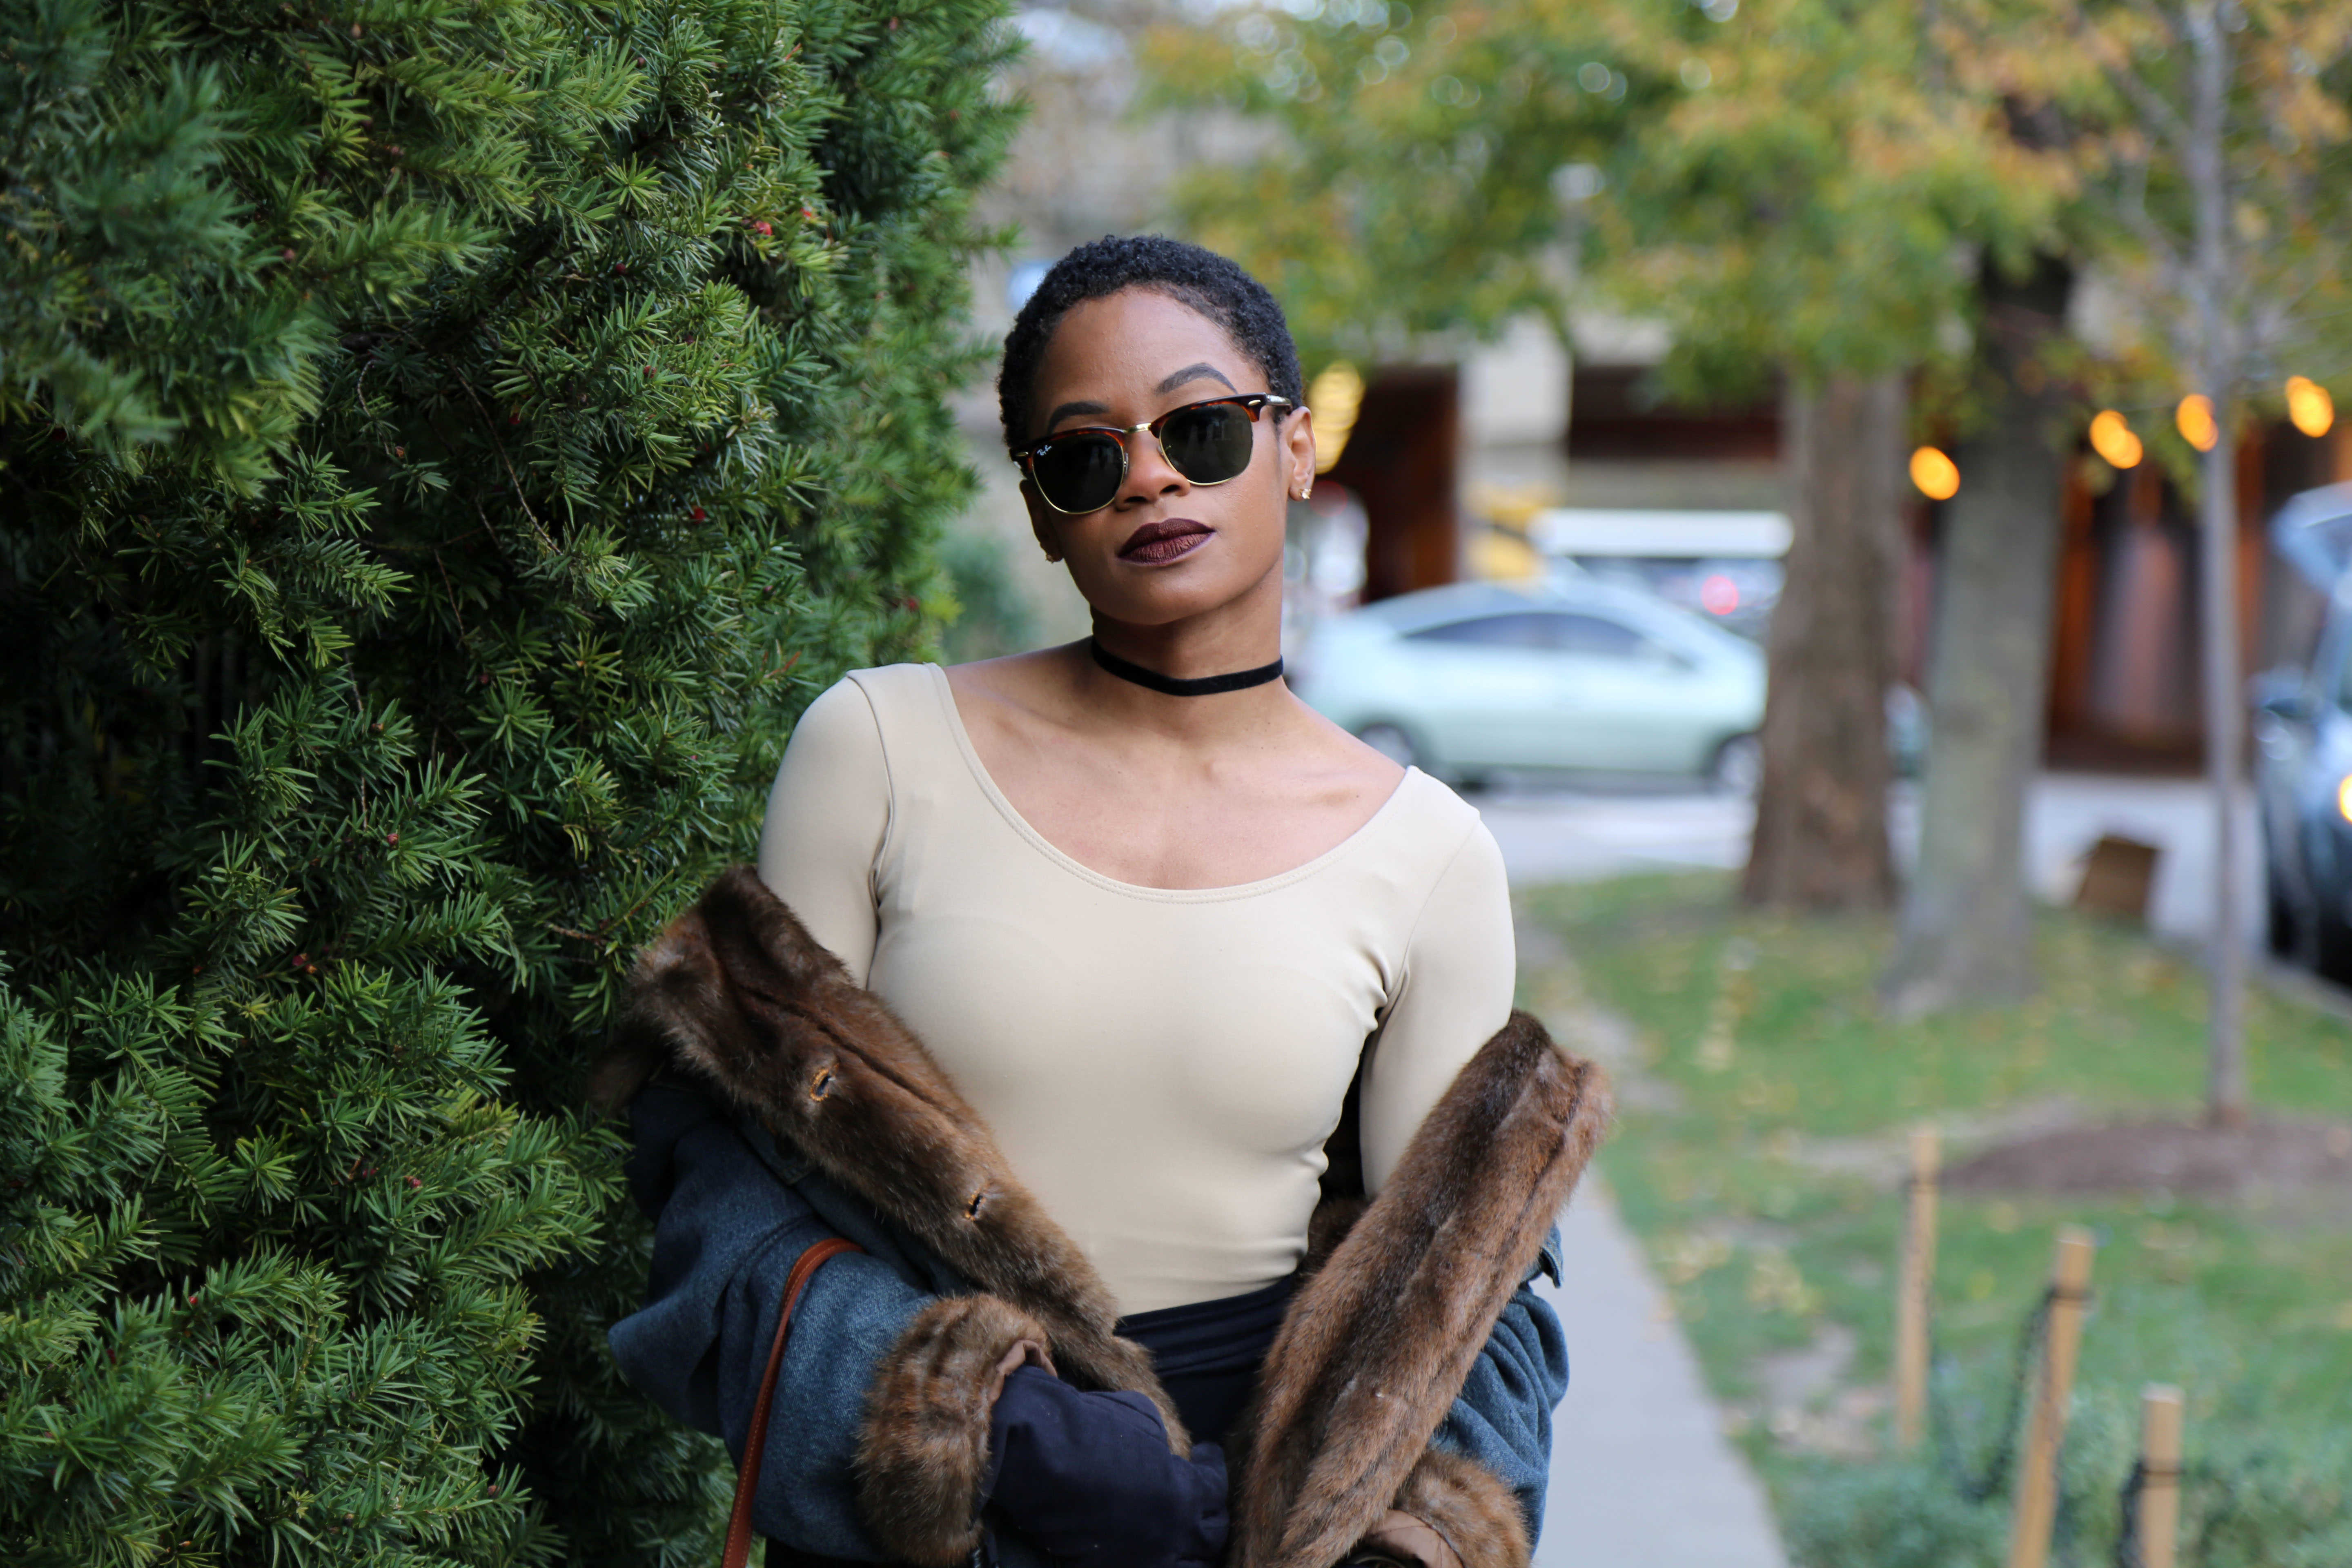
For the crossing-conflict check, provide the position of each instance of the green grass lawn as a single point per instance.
(1758, 1155)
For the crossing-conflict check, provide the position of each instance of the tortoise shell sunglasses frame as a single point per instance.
(1088, 467)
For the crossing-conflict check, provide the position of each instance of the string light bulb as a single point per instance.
(1334, 396)
(2194, 418)
(1937, 477)
(2112, 438)
(2308, 406)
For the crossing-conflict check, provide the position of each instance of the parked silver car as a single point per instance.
(1475, 677)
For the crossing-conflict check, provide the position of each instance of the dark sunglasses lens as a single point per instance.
(1208, 446)
(1080, 474)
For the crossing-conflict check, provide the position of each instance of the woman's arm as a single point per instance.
(884, 1443)
(1502, 1418)
(1480, 1490)
(727, 1232)
(828, 814)
(1476, 1500)
(1454, 995)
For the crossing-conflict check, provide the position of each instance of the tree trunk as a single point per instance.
(1820, 813)
(2219, 364)
(2225, 1067)
(1967, 931)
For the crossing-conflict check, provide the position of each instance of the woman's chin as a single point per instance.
(1165, 598)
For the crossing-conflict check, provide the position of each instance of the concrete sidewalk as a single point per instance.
(1642, 1476)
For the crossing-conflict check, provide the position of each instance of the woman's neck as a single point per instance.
(1244, 635)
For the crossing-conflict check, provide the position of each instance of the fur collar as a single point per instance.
(1375, 1346)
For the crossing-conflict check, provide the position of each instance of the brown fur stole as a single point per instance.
(1379, 1342)
(1369, 1356)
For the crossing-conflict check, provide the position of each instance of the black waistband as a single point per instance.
(1225, 1335)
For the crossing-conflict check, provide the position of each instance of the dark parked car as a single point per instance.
(2302, 751)
(2303, 789)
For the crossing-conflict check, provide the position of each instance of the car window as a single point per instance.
(1517, 630)
(2342, 693)
(1551, 631)
(1595, 636)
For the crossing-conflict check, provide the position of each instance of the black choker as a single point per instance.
(1206, 686)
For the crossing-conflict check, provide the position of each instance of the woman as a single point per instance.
(1190, 969)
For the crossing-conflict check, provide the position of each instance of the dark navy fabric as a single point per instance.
(732, 1211)
(1087, 1478)
(1207, 1354)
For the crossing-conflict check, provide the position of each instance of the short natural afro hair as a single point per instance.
(1200, 278)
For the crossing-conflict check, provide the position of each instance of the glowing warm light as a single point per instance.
(1719, 596)
(1334, 396)
(2112, 438)
(2308, 406)
(2195, 420)
(1937, 477)
(2344, 799)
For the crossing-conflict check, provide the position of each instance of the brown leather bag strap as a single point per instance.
(747, 1475)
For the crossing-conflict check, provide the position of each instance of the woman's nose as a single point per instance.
(1150, 474)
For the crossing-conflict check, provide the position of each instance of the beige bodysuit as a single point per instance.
(1161, 1067)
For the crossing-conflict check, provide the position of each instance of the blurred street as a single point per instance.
(1552, 834)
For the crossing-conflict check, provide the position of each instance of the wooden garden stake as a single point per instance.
(2159, 1475)
(1913, 1286)
(2037, 1483)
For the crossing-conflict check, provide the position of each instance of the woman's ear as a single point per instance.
(1298, 451)
(1041, 523)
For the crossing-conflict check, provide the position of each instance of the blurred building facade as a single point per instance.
(1449, 457)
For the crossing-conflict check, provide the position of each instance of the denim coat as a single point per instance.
(732, 1210)
(772, 1104)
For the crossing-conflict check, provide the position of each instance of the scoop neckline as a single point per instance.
(1046, 847)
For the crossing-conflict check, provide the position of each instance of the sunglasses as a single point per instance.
(1080, 471)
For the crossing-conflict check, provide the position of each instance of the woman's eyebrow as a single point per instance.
(1194, 373)
(1190, 372)
(1067, 409)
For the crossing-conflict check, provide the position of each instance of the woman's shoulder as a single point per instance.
(871, 707)
(1428, 844)
(892, 687)
(1429, 812)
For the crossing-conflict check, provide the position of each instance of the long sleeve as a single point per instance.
(727, 1233)
(1459, 969)
(827, 814)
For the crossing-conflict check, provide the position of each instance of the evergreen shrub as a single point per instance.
(442, 444)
